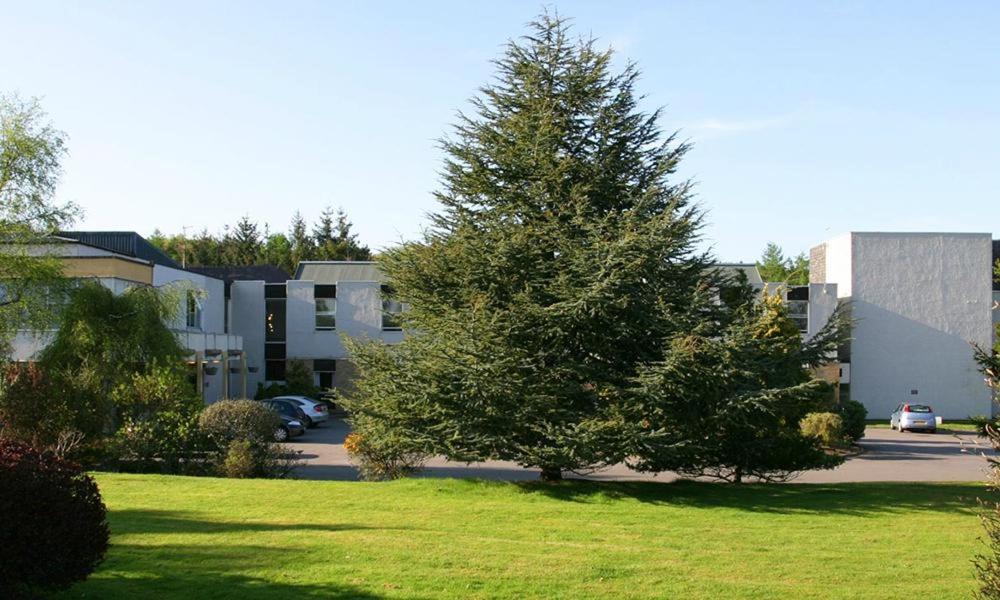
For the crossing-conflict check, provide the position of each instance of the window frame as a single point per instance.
(328, 295)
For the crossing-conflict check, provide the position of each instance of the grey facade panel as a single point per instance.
(332, 272)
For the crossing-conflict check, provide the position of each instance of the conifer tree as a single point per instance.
(302, 245)
(562, 258)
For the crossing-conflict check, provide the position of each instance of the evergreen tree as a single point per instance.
(322, 234)
(798, 270)
(347, 242)
(728, 404)
(774, 267)
(245, 243)
(301, 244)
(563, 257)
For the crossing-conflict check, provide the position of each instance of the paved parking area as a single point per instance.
(888, 456)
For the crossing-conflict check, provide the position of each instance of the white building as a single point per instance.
(119, 260)
(918, 300)
(305, 318)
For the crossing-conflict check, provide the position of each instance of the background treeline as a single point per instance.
(248, 243)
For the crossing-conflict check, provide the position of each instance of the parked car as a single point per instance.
(913, 416)
(288, 409)
(316, 411)
(288, 429)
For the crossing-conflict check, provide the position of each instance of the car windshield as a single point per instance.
(921, 408)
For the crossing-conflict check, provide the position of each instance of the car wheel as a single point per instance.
(281, 434)
(932, 431)
(901, 430)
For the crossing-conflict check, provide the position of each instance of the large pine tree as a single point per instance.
(563, 257)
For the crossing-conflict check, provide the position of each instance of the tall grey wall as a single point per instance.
(246, 318)
(918, 300)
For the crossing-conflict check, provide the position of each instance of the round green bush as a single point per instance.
(53, 527)
(227, 421)
(827, 427)
(854, 415)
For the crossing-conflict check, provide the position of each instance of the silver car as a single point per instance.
(913, 416)
(316, 411)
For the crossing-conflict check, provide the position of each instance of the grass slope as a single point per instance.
(177, 537)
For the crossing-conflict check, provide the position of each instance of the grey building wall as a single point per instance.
(918, 300)
(823, 300)
(246, 319)
(359, 316)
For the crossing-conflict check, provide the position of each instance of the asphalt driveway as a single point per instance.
(888, 456)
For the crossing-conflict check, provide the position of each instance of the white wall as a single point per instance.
(918, 300)
(839, 256)
(212, 302)
(359, 315)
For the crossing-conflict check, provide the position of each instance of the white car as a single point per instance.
(913, 416)
(315, 410)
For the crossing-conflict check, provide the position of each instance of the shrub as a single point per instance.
(168, 442)
(382, 460)
(245, 460)
(827, 427)
(242, 432)
(853, 414)
(30, 409)
(53, 532)
(299, 378)
(159, 430)
(241, 461)
(229, 420)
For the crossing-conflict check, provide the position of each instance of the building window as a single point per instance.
(392, 311)
(798, 311)
(274, 370)
(274, 312)
(326, 306)
(325, 371)
(193, 310)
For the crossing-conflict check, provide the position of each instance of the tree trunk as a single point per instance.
(551, 474)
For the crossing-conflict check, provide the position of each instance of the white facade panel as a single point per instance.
(212, 297)
(918, 300)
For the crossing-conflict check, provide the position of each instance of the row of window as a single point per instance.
(326, 310)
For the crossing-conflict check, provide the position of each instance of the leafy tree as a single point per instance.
(30, 154)
(277, 250)
(775, 267)
(728, 406)
(563, 256)
(105, 339)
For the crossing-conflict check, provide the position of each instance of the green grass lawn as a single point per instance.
(178, 537)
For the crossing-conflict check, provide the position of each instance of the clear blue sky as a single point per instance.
(808, 118)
